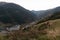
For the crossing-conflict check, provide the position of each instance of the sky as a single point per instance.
(36, 4)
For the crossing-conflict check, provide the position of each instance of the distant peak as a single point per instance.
(2, 3)
(58, 7)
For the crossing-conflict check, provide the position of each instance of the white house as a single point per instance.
(13, 28)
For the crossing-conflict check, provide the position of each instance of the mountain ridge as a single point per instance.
(11, 13)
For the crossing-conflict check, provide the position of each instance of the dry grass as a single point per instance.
(39, 31)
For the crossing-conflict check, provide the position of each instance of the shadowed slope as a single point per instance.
(13, 13)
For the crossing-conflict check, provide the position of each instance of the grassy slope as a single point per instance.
(53, 32)
(40, 31)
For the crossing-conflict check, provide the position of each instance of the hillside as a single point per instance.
(16, 14)
(48, 30)
(33, 25)
(46, 13)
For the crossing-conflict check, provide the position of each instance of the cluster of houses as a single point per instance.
(5, 30)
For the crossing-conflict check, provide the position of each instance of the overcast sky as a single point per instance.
(36, 4)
